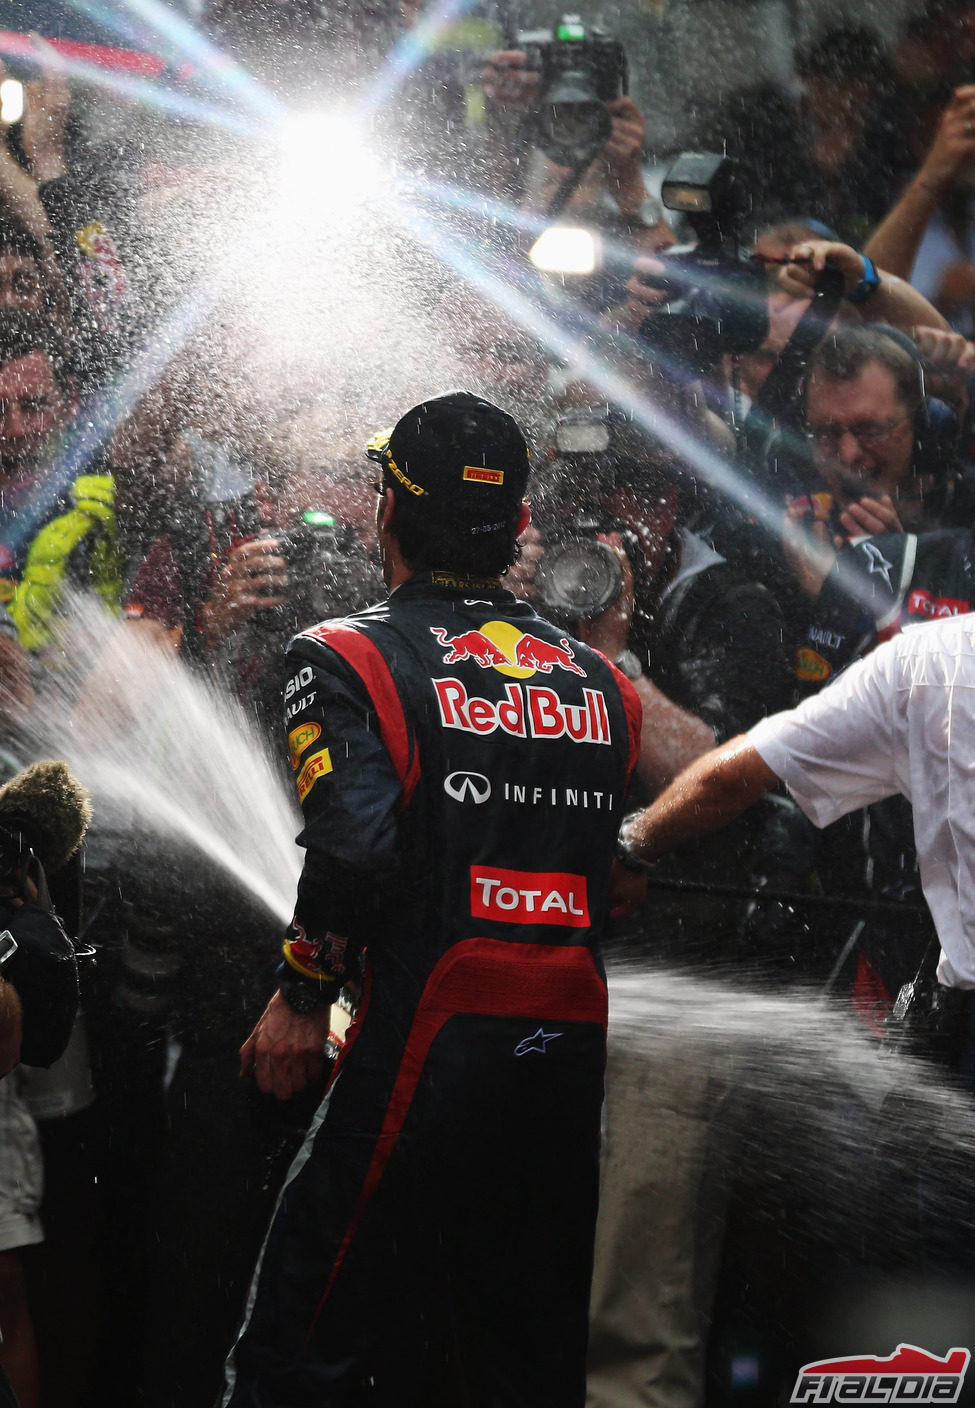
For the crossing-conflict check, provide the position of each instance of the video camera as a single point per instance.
(598, 450)
(718, 296)
(582, 68)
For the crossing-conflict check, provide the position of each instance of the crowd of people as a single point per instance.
(752, 460)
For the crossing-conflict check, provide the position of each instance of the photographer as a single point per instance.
(823, 292)
(703, 648)
(43, 816)
(884, 455)
(69, 213)
(605, 151)
(875, 549)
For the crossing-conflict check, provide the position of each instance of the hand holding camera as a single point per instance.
(808, 260)
(509, 83)
(623, 152)
(808, 548)
(253, 578)
(609, 631)
(46, 109)
(866, 517)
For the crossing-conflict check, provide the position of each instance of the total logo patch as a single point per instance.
(301, 738)
(922, 603)
(501, 646)
(529, 897)
(317, 766)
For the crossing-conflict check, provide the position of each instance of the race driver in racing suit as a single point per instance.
(462, 767)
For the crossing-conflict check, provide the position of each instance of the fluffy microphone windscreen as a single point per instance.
(49, 803)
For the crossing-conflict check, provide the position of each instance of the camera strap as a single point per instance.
(570, 184)
(782, 384)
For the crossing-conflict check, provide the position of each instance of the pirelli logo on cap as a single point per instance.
(479, 475)
(317, 766)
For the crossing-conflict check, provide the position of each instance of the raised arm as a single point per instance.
(896, 241)
(892, 300)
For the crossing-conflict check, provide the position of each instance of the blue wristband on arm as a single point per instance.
(868, 284)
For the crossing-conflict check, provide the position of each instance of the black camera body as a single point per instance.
(329, 572)
(718, 299)
(581, 68)
(571, 48)
(597, 449)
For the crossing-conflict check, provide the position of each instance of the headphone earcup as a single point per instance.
(935, 438)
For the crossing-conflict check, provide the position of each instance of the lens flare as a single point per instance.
(566, 249)
(11, 101)
(326, 168)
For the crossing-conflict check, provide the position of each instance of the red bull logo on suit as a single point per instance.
(530, 711)
(501, 646)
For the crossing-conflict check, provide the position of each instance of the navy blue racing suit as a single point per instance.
(462, 768)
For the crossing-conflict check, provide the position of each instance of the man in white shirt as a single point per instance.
(900, 721)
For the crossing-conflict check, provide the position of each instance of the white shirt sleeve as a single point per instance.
(838, 750)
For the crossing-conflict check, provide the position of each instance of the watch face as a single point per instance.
(8, 945)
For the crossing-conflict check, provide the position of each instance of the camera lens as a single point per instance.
(578, 579)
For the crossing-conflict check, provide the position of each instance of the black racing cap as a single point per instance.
(460, 454)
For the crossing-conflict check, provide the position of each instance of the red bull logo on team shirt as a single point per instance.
(500, 645)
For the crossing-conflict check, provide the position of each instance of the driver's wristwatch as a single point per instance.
(307, 995)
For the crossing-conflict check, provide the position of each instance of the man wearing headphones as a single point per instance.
(883, 452)
(889, 545)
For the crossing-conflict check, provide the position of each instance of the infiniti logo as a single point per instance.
(467, 786)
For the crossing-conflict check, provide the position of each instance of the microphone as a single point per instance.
(44, 809)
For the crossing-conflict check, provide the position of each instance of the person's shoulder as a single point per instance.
(951, 636)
